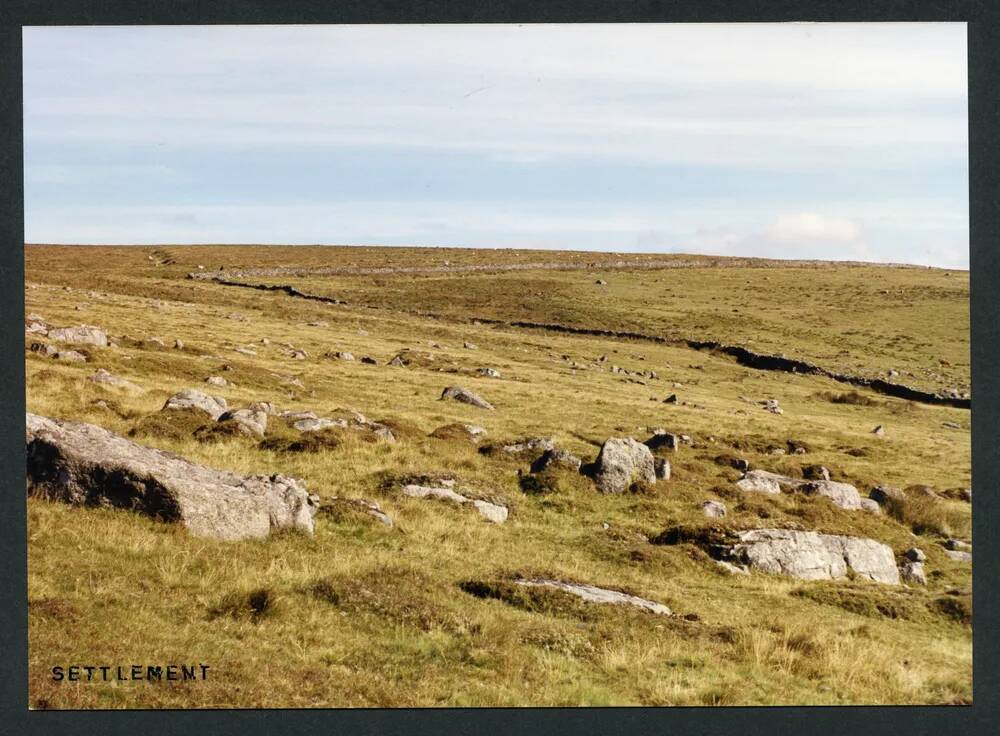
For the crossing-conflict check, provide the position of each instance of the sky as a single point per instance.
(831, 141)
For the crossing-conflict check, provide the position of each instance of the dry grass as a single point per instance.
(364, 615)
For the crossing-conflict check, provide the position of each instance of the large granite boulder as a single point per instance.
(85, 464)
(814, 556)
(621, 462)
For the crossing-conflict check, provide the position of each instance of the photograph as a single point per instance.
(500, 365)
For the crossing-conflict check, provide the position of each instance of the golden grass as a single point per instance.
(363, 615)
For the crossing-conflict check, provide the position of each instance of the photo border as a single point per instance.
(983, 18)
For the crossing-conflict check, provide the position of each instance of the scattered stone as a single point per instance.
(959, 556)
(82, 335)
(663, 438)
(713, 509)
(913, 573)
(601, 282)
(951, 425)
(245, 351)
(489, 372)
(292, 415)
(397, 362)
(368, 360)
(815, 472)
(217, 381)
(370, 508)
(672, 399)
(886, 494)
(957, 544)
(178, 344)
(340, 355)
(87, 465)
(110, 379)
(661, 466)
(879, 431)
(814, 556)
(194, 399)
(762, 481)
(490, 511)
(557, 458)
(265, 406)
(252, 422)
(70, 355)
(915, 555)
(843, 495)
(731, 568)
(466, 397)
(317, 324)
(314, 425)
(593, 594)
(771, 405)
(470, 346)
(870, 506)
(298, 354)
(620, 463)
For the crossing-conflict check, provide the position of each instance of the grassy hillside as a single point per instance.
(365, 615)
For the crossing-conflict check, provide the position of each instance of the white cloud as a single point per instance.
(811, 227)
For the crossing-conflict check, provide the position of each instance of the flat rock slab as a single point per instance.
(85, 464)
(490, 511)
(82, 335)
(593, 594)
(815, 556)
(465, 396)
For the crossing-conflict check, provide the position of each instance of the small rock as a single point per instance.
(103, 376)
(556, 458)
(731, 568)
(870, 506)
(672, 399)
(340, 355)
(217, 381)
(314, 425)
(470, 346)
(815, 472)
(489, 372)
(713, 509)
(662, 438)
(886, 494)
(252, 422)
(593, 594)
(193, 399)
(879, 431)
(368, 360)
(465, 396)
(913, 573)
(661, 466)
(178, 344)
(915, 555)
(959, 556)
(957, 544)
